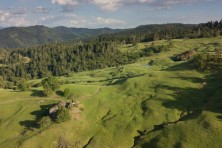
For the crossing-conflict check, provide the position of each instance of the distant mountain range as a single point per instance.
(1, 28)
(16, 37)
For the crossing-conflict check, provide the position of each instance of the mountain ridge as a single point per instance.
(18, 37)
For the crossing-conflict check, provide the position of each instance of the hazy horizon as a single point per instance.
(1, 27)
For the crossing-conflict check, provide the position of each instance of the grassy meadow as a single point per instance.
(120, 102)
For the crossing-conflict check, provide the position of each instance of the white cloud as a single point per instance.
(18, 21)
(65, 2)
(112, 5)
(77, 23)
(66, 19)
(73, 20)
(108, 21)
(41, 9)
(3, 16)
(11, 18)
(108, 4)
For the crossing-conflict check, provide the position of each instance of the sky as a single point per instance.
(107, 13)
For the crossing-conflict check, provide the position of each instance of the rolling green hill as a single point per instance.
(154, 102)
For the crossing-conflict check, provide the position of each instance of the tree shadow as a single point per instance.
(37, 93)
(44, 111)
(219, 117)
(191, 79)
(185, 99)
(29, 124)
(152, 143)
(191, 102)
(121, 80)
(60, 93)
(181, 67)
(208, 97)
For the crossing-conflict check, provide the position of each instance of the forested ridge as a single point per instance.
(17, 37)
(154, 32)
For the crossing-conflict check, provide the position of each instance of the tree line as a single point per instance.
(155, 32)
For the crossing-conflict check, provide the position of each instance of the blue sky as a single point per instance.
(107, 13)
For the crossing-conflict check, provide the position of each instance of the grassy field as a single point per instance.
(120, 102)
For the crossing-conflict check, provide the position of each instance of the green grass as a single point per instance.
(119, 101)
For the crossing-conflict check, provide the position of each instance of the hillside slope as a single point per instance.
(16, 37)
(165, 103)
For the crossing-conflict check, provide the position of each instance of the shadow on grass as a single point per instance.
(44, 110)
(152, 143)
(192, 101)
(37, 93)
(202, 98)
(181, 67)
(219, 117)
(121, 80)
(60, 93)
(205, 98)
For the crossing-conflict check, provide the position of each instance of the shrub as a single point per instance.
(45, 122)
(66, 92)
(50, 84)
(2, 83)
(63, 115)
(201, 61)
(71, 96)
(23, 86)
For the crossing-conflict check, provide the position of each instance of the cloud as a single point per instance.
(41, 9)
(65, 2)
(18, 11)
(13, 18)
(108, 21)
(73, 20)
(69, 20)
(3, 16)
(112, 5)
(18, 21)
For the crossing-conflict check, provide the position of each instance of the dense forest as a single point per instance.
(59, 59)
(155, 32)
(62, 59)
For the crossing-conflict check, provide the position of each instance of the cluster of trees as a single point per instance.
(50, 85)
(62, 115)
(209, 60)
